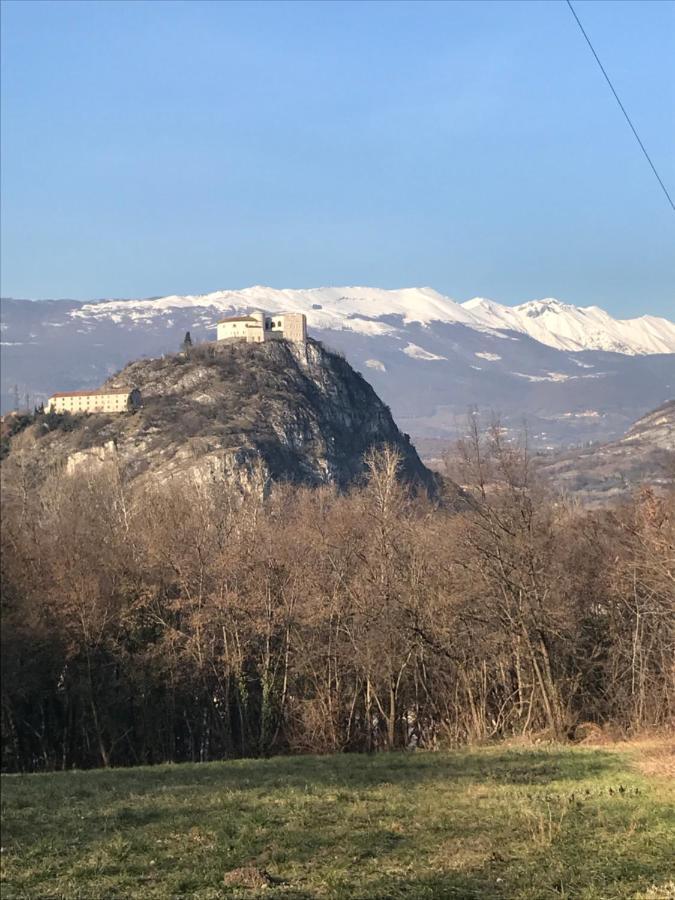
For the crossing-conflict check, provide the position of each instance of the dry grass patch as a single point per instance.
(655, 757)
(653, 754)
(463, 854)
(658, 892)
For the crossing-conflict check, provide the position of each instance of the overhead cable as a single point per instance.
(623, 109)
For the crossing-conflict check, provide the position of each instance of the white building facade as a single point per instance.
(104, 401)
(258, 327)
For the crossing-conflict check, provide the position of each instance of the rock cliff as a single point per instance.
(280, 411)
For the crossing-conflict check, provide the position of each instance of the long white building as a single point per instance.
(96, 401)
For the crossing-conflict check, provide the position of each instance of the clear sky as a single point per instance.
(182, 147)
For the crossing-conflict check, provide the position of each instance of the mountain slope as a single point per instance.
(577, 328)
(284, 411)
(644, 455)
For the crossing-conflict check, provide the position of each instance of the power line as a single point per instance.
(623, 110)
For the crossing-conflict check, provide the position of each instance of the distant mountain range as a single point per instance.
(573, 374)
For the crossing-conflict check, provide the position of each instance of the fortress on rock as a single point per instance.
(257, 327)
(254, 328)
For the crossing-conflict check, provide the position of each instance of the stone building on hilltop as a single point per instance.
(105, 400)
(257, 327)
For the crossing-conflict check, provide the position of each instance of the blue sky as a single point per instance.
(182, 147)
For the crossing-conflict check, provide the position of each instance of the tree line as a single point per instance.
(191, 622)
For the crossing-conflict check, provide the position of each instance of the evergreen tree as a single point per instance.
(187, 342)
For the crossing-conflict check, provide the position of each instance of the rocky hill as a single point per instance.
(606, 472)
(293, 412)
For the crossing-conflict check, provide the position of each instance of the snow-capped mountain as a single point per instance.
(573, 373)
(569, 327)
(367, 311)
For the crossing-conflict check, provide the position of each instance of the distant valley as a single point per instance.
(596, 475)
(572, 375)
(606, 472)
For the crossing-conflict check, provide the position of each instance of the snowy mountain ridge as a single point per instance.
(377, 311)
(568, 327)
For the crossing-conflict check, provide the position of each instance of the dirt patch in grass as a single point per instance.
(249, 877)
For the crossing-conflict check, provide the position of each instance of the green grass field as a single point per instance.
(497, 822)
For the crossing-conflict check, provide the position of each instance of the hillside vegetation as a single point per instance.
(189, 622)
(498, 823)
(608, 472)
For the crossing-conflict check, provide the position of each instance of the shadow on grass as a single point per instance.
(185, 794)
(353, 771)
(450, 885)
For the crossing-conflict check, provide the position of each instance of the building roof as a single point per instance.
(93, 393)
(237, 319)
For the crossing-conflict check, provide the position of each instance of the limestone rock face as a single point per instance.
(91, 458)
(242, 413)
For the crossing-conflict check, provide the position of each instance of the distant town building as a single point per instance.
(102, 401)
(257, 327)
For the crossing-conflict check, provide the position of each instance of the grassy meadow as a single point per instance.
(495, 822)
